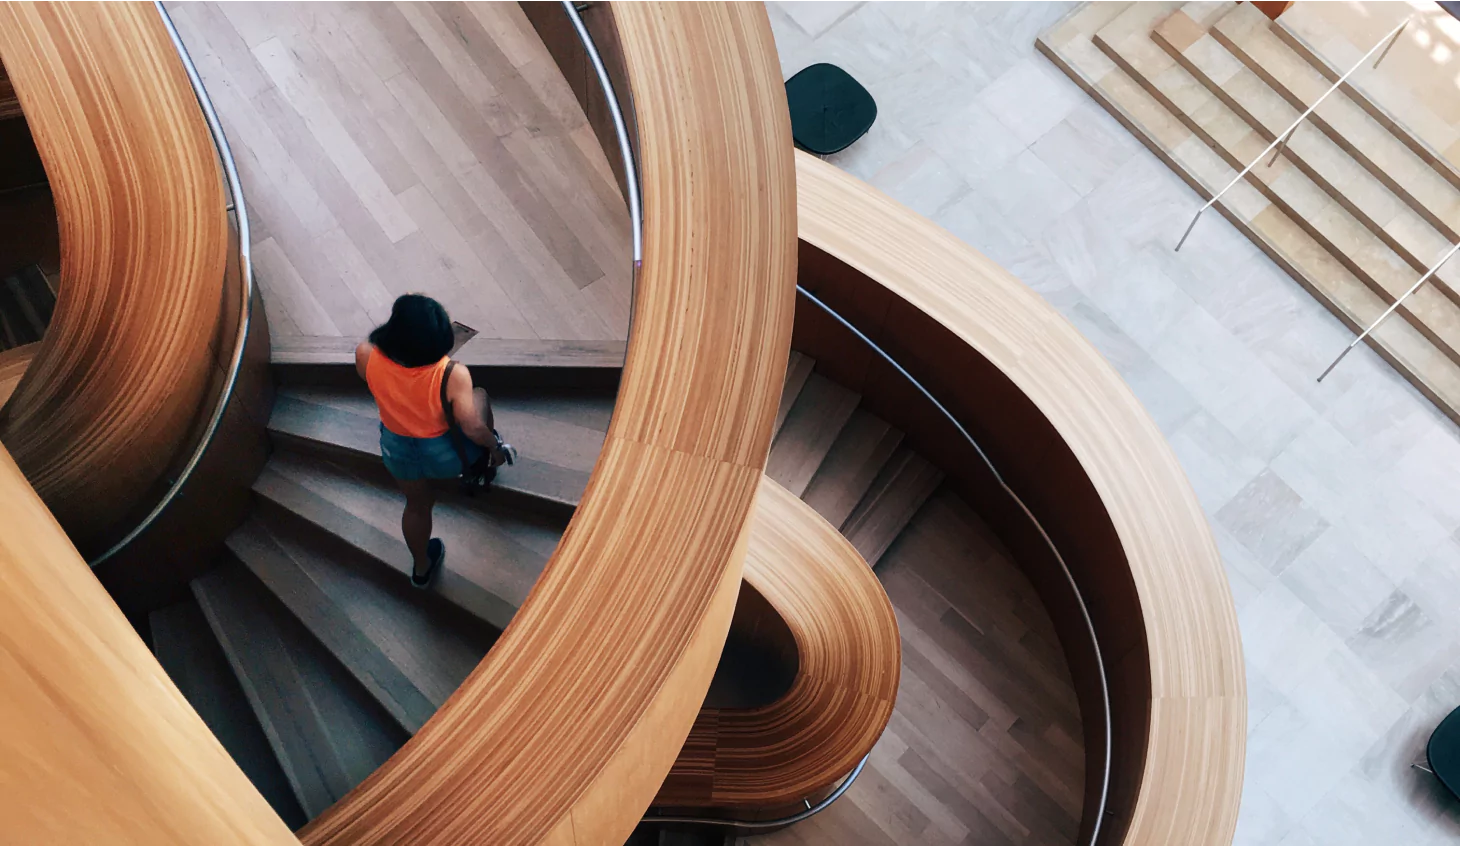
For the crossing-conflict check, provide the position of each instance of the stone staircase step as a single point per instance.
(1286, 187)
(1070, 45)
(1327, 164)
(1431, 137)
(1247, 33)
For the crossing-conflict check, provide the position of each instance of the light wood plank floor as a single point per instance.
(388, 148)
(985, 745)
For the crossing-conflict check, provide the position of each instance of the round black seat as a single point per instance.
(1444, 752)
(829, 109)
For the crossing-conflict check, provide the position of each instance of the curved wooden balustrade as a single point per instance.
(849, 660)
(1069, 437)
(13, 364)
(566, 730)
(96, 744)
(123, 369)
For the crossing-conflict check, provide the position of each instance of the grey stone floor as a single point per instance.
(1336, 505)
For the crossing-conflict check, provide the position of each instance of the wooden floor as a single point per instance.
(985, 746)
(389, 148)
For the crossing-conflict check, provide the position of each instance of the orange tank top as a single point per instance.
(409, 397)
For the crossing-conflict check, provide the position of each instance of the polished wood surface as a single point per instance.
(1074, 442)
(415, 147)
(13, 364)
(124, 367)
(984, 747)
(846, 681)
(98, 745)
(566, 730)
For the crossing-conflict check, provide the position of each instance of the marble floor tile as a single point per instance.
(1338, 582)
(1031, 98)
(1428, 472)
(1389, 526)
(1272, 521)
(1281, 633)
(1404, 647)
(1164, 398)
(1355, 814)
(1219, 466)
(1140, 296)
(1232, 383)
(816, 18)
(1261, 820)
(972, 140)
(1086, 148)
(921, 180)
(1027, 193)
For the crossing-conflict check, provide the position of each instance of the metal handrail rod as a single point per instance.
(1279, 142)
(620, 128)
(1391, 309)
(245, 313)
(1099, 814)
(811, 810)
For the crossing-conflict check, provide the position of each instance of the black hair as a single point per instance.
(418, 332)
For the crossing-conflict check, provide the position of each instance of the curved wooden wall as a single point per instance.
(123, 369)
(96, 743)
(1069, 437)
(565, 731)
(850, 659)
(13, 364)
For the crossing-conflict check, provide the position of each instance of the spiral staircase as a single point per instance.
(662, 624)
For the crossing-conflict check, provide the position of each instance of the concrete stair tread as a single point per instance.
(1329, 166)
(557, 437)
(435, 645)
(1248, 34)
(188, 651)
(798, 370)
(358, 642)
(326, 732)
(493, 556)
(1070, 45)
(1429, 136)
(851, 465)
(1287, 187)
(900, 489)
(815, 420)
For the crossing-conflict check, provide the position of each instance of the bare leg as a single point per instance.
(415, 521)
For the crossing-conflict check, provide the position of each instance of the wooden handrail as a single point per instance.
(565, 731)
(124, 366)
(96, 743)
(849, 660)
(1073, 441)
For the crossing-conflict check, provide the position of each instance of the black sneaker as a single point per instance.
(436, 554)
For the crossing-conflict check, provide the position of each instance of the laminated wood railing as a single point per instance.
(1112, 526)
(117, 381)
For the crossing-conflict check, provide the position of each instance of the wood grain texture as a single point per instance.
(13, 364)
(566, 730)
(846, 682)
(120, 375)
(98, 745)
(1184, 781)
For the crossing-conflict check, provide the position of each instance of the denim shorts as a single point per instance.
(409, 459)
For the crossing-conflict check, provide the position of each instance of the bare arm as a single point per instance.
(475, 423)
(362, 356)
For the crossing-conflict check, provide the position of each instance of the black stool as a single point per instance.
(829, 109)
(1443, 752)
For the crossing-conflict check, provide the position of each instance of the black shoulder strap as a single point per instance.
(445, 401)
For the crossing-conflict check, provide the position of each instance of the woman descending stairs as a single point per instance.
(311, 657)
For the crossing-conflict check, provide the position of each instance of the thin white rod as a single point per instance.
(1391, 309)
(1391, 42)
(1394, 34)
